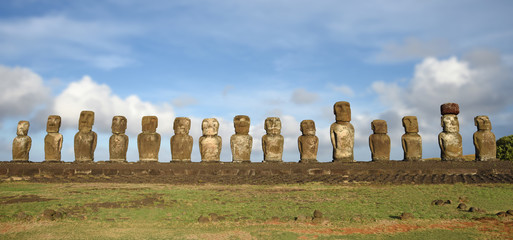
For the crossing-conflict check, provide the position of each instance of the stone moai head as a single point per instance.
(23, 127)
(210, 126)
(449, 113)
(118, 124)
(379, 126)
(483, 123)
(342, 111)
(149, 124)
(53, 124)
(272, 125)
(182, 125)
(307, 127)
(86, 121)
(241, 124)
(410, 124)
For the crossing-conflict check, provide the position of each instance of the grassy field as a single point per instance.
(156, 211)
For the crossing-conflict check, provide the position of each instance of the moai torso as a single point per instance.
(450, 139)
(118, 142)
(210, 143)
(148, 142)
(342, 133)
(85, 139)
(22, 143)
(308, 143)
(272, 141)
(379, 141)
(181, 142)
(411, 140)
(53, 140)
(484, 140)
(241, 142)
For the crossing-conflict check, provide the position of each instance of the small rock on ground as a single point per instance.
(462, 206)
(203, 219)
(406, 216)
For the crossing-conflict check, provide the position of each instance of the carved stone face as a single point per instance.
(342, 111)
(241, 124)
(150, 124)
(118, 124)
(450, 123)
(23, 127)
(272, 125)
(379, 126)
(210, 126)
(410, 124)
(308, 127)
(483, 123)
(182, 125)
(53, 124)
(86, 121)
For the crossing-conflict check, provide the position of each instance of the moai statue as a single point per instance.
(210, 143)
(450, 139)
(118, 142)
(148, 142)
(21, 143)
(181, 142)
(411, 140)
(85, 139)
(308, 143)
(272, 141)
(53, 140)
(342, 133)
(379, 141)
(484, 140)
(241, 142)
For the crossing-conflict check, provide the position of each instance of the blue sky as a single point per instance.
(287, 58)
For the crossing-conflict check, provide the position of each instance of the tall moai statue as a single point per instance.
(85, 139)
(342, 133)
(450, 139)
(210, 143)
(411, 140)
(148, 142)
(21, 143)
(181, 142)
(53, 140)
(308, 143)
(272, 141)
(379, 141)
(484, 140)
(118, 142)
(241, 142)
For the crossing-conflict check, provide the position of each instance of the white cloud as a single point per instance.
(184, 101)
(302, 96)
(411, 49)
(346, 90)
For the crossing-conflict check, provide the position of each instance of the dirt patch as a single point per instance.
(23, 199)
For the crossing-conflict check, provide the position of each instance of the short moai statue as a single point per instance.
(241, 142)
(118, 142)
(342, 133)
(308, 143)
(484, 140)
(85, 139)
(210, 143)
(450, 139)
(411, 140)
(53, 140)
(272, 141)
(21, 143)
(148, 142)
(379, 141)
(181, 142)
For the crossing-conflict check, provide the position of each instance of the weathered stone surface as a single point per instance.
(406, 216)
(411, 140)
(462, 206)
(450, 139)
(181, 142)
(450, 108)
(85, 139)
(53, 140)
(148, 142)
(308, 143)
(241, 142)
(379, 142)
(342, 133)
(484, 140)
(210, 143)
(272, 141)
(118, 142)
(22, 143)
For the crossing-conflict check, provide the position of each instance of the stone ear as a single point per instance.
(475, 121)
